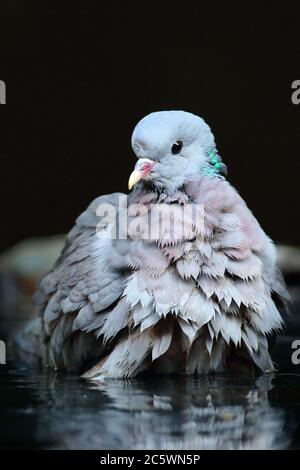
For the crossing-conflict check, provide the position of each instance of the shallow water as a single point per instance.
(58, 411)
(42, 409)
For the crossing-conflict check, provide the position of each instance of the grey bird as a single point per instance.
(178, 278)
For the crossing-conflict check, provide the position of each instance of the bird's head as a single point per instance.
(171, 147)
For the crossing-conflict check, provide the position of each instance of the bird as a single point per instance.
(176, 277)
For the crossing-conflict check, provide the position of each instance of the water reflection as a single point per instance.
(205, 413)
(64, 412)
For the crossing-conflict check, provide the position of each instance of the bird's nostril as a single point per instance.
(146, 168)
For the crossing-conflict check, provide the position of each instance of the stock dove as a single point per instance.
(176, 277)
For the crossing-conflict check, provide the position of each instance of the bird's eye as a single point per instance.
(176, 147)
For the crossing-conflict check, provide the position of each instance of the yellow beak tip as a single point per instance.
(134, 178)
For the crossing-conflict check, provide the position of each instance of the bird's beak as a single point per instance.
(134, 178)
(142, 169)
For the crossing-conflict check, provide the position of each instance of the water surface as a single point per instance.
(48, 410)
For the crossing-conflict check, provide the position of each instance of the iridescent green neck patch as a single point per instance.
(214, 165)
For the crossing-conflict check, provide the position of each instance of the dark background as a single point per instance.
(80, 74)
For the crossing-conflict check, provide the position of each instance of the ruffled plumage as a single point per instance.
(183, 300)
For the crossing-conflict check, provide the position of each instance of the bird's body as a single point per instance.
(191, 285)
